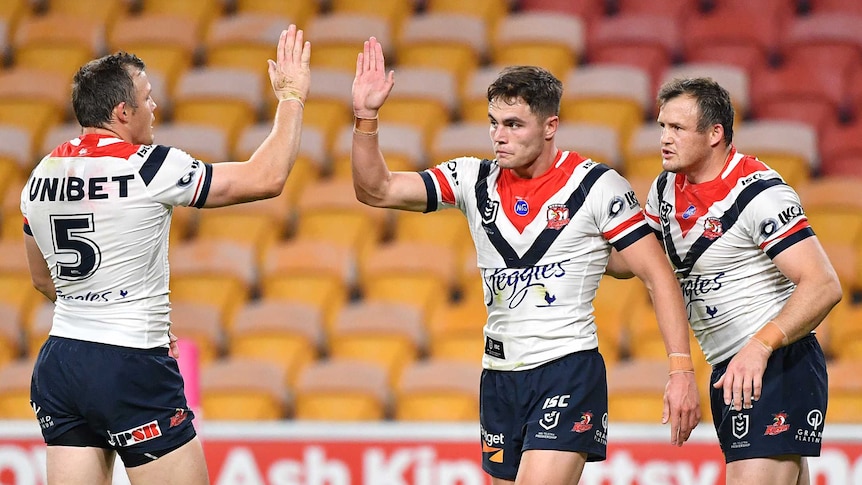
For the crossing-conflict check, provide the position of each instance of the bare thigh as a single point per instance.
(184, 466)
(75, 465)
(778, 470)
(548, 467)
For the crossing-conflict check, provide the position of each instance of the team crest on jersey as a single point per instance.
(778, 426)
(585, 424)
(712, 228)
(558, 216)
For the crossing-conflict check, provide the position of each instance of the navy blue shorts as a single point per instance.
(561, 405)
(788, 419)
(96, 395)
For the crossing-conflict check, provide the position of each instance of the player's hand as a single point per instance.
(289, 73)
(743, 379)
(372, 83)
(681, 406)
(175, 348)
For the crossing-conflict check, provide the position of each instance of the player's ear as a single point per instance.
(716, 134)
(121, 112)
(551, 125)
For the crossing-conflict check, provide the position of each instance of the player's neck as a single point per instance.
(710, 168)
(100, 130)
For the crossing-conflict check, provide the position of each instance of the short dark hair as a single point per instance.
(102, 84)
(713, 102)
(536, 86)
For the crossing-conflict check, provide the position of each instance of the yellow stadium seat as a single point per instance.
(52, 43)
(438, 390)
(635, 391)
(243, 390)
(835, 217)
(10, 334)
(200, 12)
(425, 98)
(298, 13)
(37, 328)
(104, 12)
(642, 155)
(33, 100)
(447, 228)
(455, 331)
(402, 146)
(329, 106)
(789, 147)
(591, 140)
(342, 390)
(201, 323)
(489, 11)
(462, 139)
(534, 38)
(394, 12)
(845, 391)
(15, 390)
(615, 301)
(338, 38)
(474, 97)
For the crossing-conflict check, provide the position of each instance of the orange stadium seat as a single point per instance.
(647, 41)
(731, 77)
(845, 392)
(438, 390)
(166, 43)
(299, 13)
(841, 331)
(226, 98)
(425, 98)
(33, 100)
(54, 43)
(751, 44)
(200, 322)
(15, 390)
(402, 146)
(552, 40)
(315, 272)
(243, 390)
(615, 301)
(642, 156)
(338, 38)
(388, 334)
(835, 216)
(454, 42)
(310, 162)
(420, 274)
(790, 147)
(342, 390)
(12, 11)
(288, 334)
(455, 331)
(636, 390)
(619, 96)
(213, 271)
(10, 334)
(462, 139)
(595, 141)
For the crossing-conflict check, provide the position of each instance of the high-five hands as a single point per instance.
(372, 83)
(289, 73)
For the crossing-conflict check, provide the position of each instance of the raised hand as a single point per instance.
(372, 83)
(289, 73)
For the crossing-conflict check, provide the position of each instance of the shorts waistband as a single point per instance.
(132, 350)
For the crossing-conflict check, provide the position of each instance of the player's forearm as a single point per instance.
(371, 176)
(809, 304)
(671, 315)
(275, 157)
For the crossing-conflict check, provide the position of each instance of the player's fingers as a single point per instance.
(665, 412)
(747, 386)
(757, 388)
(296, 47)
(282, 47)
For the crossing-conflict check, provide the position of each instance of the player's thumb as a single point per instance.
(719, 382)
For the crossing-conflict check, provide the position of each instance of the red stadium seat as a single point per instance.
(750, 44)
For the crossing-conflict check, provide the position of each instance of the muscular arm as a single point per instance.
(646, 260)
(374, 184)
(39, 272)
(264, 174)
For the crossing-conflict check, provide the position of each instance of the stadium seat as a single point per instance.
(552, 40)
(614, 305)
(845, 392)
(438, 390)
(166, 43)
(840, 333)
(12, 11)
(299, 13)
(394, 12)
(841, 151)
(16, 286)
(329, 106)
(16, 158)
(310, 271)
(751, 44)
(790, 147)
(834, 6)
(52, 43)
(402, 146)
(490, 11)
(643, 152)
(595, 141)
(288, 334)
(213, 271)
(37, 328)
(588, 10)
(678, 10)
(641, 185)
(200, 12)
(10, 334)
(420, 274)
(455, 331)
(454, 42)
(103, 12)
(827, 41)
(328, 210)
(338, 38)
(12, 221)
(835, 215)
(388, 334)
(447, 228)
(56, 136)
(225, 98)
(731, 77)
(647, 41)
(311, 161)
(243, 390)
(474, 95)
(204, 142)
(635, 391)
(200, 322)
(618, 96)
(462, 139)
(15, 390)
(33, 100)
(424, 98)
(342, 390)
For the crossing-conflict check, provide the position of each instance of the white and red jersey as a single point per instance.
(721, 237)
(100, 211)
(542, 246)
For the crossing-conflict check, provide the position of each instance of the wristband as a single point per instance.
(365, 126)
(680, 363)
(770, 336)
(301, 104)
